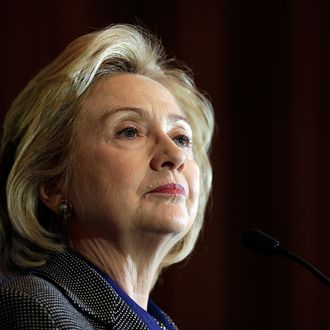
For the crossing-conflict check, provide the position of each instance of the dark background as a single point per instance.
(265, 65)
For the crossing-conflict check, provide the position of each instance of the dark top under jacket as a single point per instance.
(65, 293)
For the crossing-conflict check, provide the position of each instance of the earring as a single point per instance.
(65, 209)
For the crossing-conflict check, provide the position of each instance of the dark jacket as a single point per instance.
(65, 293)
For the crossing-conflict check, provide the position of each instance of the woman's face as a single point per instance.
(135, 170)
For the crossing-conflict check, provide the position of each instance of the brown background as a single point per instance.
(265, 65)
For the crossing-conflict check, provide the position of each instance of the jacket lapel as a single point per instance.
(88, 291)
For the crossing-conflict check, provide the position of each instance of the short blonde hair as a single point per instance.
(41, 137)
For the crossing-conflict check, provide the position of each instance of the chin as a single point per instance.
(171, 224)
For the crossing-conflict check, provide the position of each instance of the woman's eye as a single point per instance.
(182, 140)
(128, 132)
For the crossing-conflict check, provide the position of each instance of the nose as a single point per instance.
(168, 156)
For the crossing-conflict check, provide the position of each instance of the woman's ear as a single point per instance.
(51, 195)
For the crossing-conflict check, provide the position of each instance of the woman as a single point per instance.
(104, 182)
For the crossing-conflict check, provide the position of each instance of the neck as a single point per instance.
(133, 266)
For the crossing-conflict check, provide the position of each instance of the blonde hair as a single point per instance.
(41, 136)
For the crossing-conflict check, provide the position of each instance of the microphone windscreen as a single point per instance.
(260, 242)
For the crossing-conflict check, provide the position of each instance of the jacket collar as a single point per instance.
(87, 290)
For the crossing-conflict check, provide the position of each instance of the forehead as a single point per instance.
(131, 91)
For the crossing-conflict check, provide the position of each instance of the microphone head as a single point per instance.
(260, 242)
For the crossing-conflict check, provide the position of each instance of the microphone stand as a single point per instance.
(258, 241)
(299, 260)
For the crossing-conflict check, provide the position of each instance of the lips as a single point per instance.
(171, 188)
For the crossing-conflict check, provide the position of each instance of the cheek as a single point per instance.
(105, 185)
(116, 179)
(122, 172)
(102, 173)
(193, 180)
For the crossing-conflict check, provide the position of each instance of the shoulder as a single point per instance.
(30, 302)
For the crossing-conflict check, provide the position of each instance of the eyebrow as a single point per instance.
(142, 113)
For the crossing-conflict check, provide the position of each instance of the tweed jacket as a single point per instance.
(65, 293)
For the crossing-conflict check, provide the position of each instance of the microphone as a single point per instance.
(260, 242)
